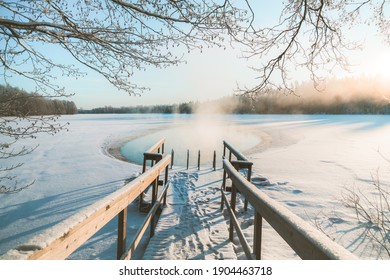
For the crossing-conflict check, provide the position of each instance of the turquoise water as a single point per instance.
(203, 137)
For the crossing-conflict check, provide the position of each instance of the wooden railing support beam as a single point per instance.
(122, 226)
(257, 236)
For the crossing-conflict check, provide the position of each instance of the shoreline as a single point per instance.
(113, 148)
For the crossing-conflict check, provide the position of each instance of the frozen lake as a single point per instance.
(309, 161)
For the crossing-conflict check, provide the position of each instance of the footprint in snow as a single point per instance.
(336, 220)
(296, 191)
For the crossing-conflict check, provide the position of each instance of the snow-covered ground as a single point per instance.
(308, 160)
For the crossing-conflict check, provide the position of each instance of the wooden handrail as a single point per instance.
(153, 154)
(156, 147)
(233, 151)
(64, 238)
(305, 240)
(242, 162)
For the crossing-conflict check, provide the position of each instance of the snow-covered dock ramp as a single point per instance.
(192, 226)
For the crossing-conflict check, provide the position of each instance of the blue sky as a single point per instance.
(205, 76)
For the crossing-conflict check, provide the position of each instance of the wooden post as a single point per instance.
(122, 225)
(154, 158)
(242, 164)
(215, 160)
(154, 190)
(162, 148)
(223, 186)
(199, 160)
(188, 158)
(233, 206)
(144, 165)
(165, 183)
(172, 158)
(249, 175)
(154, 198)
(141, 196)
(257, 235)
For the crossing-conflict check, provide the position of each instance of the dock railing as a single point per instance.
(61, 240)
(154, 154)
(307, 241)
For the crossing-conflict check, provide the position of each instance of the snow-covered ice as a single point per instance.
(307, 160)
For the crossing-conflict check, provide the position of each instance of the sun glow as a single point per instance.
(377, 65)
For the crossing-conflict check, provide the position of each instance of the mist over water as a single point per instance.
(205, 133)
(206, 129)
(353, 95)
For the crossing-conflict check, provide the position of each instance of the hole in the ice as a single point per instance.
(206, 138)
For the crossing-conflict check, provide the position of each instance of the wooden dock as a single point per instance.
(192, 226)
(193, 207)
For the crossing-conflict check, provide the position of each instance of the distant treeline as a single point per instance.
(275, 104)
(360, 95)
(183, 108)
(17, 102)
(284, 105)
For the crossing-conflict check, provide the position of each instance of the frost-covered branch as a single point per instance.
(373, 212)
(114, 38)
(310, 36)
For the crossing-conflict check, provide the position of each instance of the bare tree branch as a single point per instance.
(114, 38)
(311, 36)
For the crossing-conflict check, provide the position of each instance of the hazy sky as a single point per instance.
(208, 75)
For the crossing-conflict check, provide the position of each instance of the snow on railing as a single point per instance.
(61, 240)
(305, 240)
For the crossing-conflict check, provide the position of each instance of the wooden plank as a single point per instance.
(80, 229)
(305, 240)
(152, 156)
(241, 164)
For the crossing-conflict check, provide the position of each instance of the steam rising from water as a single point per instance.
(205, 133)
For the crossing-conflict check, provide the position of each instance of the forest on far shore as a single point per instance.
(340, 96)
(17, 102)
